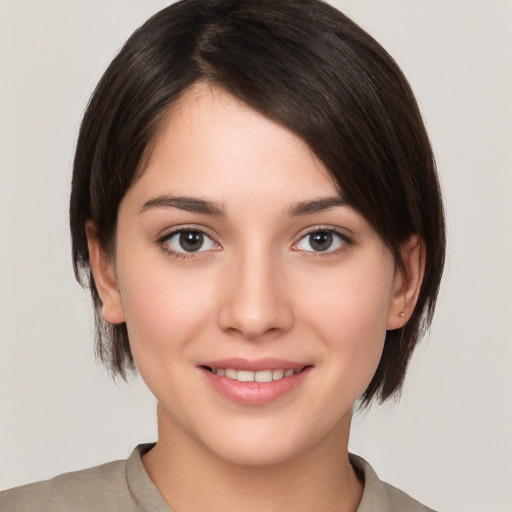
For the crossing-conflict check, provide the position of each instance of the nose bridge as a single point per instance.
(255, 300)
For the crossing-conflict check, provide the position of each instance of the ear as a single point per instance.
(105, 278)
(406, 285)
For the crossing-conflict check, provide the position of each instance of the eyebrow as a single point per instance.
(196, 205)
(188, 204)
(314, 206)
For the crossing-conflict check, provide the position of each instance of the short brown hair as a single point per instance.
(302, 64)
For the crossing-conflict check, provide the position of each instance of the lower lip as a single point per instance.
(255, 393)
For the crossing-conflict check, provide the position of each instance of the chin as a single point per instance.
(267, 443)
(264, 453)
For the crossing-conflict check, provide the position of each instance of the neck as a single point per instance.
(191, 478)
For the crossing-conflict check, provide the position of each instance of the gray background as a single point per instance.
(448, 442)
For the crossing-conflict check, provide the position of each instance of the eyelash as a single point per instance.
(345, 242)
(163, 243)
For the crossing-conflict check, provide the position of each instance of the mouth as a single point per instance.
(267, 375)
(255, 382)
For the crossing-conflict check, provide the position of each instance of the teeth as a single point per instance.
(230, 373)
(263, 376)
(277, 374)
(248, 376)
(244, 376)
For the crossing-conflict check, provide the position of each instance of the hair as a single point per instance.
(303, 64)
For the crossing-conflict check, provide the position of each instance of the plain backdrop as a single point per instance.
(449, 440)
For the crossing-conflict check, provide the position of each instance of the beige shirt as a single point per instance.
(124, 486)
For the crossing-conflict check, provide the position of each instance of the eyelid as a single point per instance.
(336, 231)
(163, 238)
(164, 234)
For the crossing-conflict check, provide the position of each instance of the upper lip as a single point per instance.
(266, 363)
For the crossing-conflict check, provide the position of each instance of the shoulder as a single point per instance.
(379, 496)
(100, 488)
(402, 501)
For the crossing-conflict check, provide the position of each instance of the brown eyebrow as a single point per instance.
(196, 205)
(189, 204)
(314, 206)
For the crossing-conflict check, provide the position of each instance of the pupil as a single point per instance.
(321, 241)
(191, 241)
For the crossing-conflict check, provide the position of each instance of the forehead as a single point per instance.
(211, 142)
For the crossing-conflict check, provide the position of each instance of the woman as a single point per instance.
(256, 211)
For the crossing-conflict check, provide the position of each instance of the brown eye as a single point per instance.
(321, 241)
(191, 241)
(187, 240)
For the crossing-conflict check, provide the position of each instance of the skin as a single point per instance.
(258, 289)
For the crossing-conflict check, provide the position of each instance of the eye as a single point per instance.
(189, 241)
(321, 240)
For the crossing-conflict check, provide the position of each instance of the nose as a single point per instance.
(255, 303)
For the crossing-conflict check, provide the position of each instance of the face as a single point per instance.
(256, 301)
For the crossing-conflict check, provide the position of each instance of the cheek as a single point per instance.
(164, 309)
(349, 314)
(351, 300)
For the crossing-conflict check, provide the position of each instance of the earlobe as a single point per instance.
(407, 283)
(105, 278)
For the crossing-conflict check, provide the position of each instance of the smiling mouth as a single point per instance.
(258, 376)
